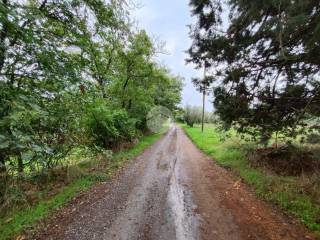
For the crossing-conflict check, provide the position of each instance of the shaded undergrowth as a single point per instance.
(62, 186)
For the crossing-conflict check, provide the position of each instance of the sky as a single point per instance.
(167, 20)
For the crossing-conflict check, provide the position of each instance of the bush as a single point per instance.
(287, 160)
(313, 138)
(108, 128)
(124, 125)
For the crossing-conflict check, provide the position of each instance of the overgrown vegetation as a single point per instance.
(76, 80)
(299, 194)
(77, 178)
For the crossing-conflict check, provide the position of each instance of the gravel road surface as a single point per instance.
(172, 191)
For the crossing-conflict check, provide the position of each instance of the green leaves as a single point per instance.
(106, 127)
(4, 142)
(74, 73)
(262, 61)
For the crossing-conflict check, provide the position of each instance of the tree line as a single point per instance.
(74, 73)
(193, 115)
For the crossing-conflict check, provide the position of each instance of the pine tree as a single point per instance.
(265, 63)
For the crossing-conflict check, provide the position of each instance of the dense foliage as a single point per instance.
(264, 61)
(73, 73)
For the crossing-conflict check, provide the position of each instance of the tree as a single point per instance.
(192, 115)
(168, 89)
(73, 73)
(141, 83)
(264, 64)
(42, 64)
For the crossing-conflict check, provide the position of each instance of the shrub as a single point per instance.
(313, 138)
(287, 160)
(108, 128)
(125, 125)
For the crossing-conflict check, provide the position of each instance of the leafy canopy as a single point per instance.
(74, 73)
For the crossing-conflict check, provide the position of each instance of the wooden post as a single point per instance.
(203, 98)
(203, 103)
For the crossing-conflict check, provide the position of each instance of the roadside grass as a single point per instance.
(19, 220)
(287, 192)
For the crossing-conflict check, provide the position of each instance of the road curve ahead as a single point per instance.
(173, 191)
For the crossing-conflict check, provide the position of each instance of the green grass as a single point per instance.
(19, 220)
(283, 191)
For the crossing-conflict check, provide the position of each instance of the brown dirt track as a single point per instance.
(171, 191)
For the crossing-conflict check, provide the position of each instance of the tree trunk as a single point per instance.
(20, 166)
(130, 104)
(3, 169)
(3, 178)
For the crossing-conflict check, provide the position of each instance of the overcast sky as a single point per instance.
(167, 20)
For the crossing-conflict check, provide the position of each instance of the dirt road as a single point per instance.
(172, 191)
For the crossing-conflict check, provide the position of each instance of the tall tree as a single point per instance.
(62, 64)
(264, 61)
(42, 63)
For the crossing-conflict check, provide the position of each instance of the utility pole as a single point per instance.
(203, 97)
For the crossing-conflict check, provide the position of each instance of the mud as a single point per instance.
(172, 191)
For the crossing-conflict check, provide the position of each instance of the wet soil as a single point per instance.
(171, 191)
